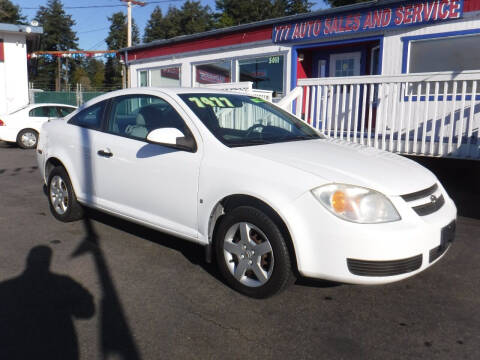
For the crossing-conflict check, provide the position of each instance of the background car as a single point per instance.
(266, 194)
(23, 126)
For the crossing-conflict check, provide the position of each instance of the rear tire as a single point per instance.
(61, 197)
(27, 139)
(252, 254)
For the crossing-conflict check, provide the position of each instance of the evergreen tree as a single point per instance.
(57, 27)
(96, 73)
(155, 29)
(191, 18)
(117, 36)
(194, 18)
(335, 3)
(117, 39)
(57, 35)
(10, 13)
(298, 7)
(234, 12)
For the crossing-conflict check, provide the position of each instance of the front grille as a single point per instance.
(429, 208)
(420, 194)
(384, 268)
(425, 202)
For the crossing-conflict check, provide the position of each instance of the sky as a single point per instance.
(92, 23)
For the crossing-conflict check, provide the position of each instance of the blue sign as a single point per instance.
(416, 13)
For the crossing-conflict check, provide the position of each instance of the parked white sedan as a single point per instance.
(23, 126)
(266, 192)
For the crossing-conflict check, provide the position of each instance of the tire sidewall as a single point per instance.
(19, 138)
(60, 171)
(281, 268)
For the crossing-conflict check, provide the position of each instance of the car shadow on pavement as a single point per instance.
(37, 309)
(194, 253)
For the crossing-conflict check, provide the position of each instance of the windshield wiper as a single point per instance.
(251, 142)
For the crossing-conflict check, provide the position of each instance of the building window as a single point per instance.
(445, 54)
(345, 64)
(213, 73)
(143, 78)
(266, 73)
(160, 77)
(165, 77)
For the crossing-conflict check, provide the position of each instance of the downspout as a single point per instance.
(126, 77)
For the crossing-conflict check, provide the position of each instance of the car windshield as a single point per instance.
(240, 120)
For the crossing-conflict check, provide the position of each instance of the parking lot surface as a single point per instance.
(116, 290)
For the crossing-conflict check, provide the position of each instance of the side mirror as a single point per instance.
(172, 137)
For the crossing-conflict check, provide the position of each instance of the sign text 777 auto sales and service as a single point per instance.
(415, 13)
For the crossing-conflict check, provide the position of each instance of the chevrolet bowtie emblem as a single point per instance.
(433, 199)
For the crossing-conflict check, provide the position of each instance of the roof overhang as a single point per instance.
(27, 30)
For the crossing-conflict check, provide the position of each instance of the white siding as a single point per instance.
(13, 73)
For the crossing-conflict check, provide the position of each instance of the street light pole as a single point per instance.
(129, 35)
(129, 18)
(129, 22)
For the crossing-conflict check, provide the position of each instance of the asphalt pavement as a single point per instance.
(109, 289)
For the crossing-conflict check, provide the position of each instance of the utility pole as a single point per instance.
(125, 77)
(129, 18)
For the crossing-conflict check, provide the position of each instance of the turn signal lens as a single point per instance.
(356, 204)
(339, 202)
(2, 123)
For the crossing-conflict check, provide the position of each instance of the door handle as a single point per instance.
(104, 153)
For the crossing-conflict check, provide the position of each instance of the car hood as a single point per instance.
(343, 162)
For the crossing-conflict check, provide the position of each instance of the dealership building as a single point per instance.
(377, 37)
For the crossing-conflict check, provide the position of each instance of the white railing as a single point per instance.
(294, 97)
(245, 87)
(430, 114)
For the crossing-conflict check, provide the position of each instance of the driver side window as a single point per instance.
(135, 116)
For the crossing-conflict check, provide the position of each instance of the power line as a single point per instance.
(105, 5)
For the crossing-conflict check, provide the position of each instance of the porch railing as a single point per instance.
(429, 114)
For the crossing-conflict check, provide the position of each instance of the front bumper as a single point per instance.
(325, 244)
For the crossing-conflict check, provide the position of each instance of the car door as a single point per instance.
(82, 134)
(152, 183)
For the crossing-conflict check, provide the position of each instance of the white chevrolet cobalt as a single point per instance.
(265, 193)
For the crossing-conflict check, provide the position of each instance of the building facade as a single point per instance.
(382, 37)
(13, 65)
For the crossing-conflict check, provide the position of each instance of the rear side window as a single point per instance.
(41, 111)
(90, 117)
(64, 111)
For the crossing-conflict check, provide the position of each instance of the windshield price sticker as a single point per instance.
(212, 101)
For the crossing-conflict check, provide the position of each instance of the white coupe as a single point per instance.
(23, 126)
(267, 195)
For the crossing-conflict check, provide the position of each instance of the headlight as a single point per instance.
(357, 204)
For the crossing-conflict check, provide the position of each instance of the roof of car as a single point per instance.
(49, 104)
(142, 90)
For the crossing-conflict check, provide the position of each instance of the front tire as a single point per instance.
(27, 139)
(252, 254)
(61, 197)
